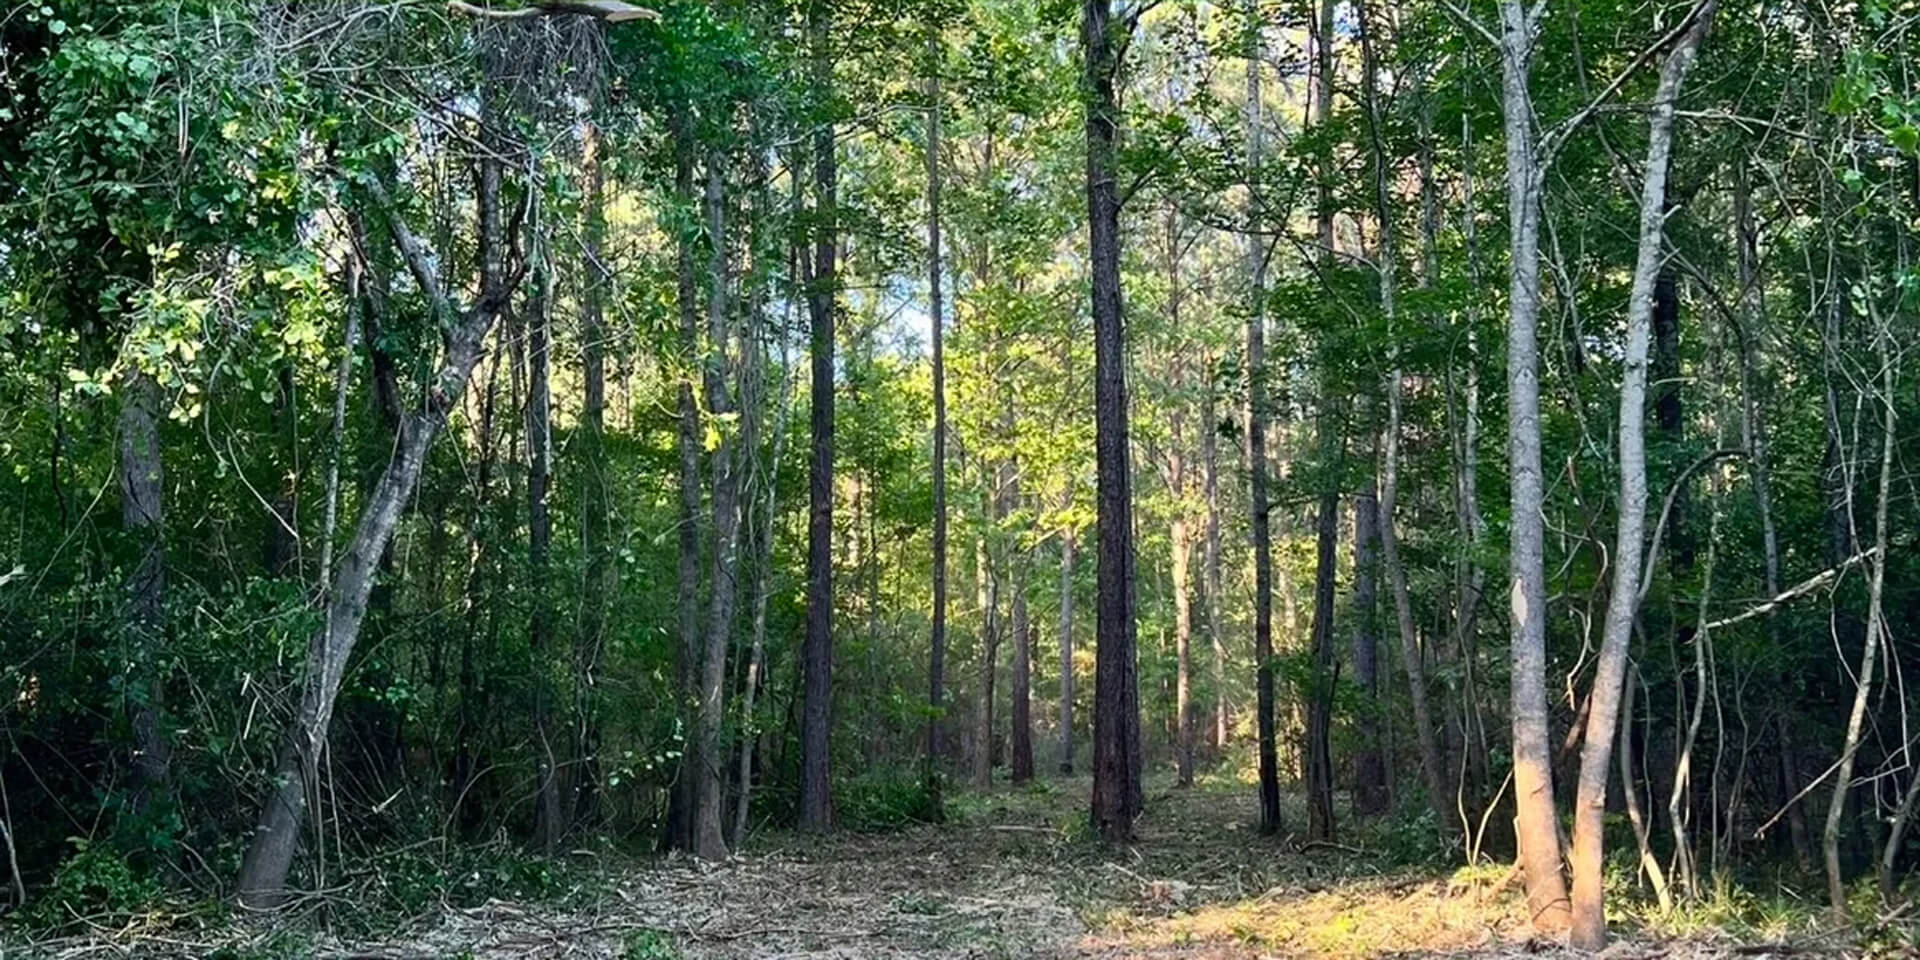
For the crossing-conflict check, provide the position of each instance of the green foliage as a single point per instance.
(649, 945)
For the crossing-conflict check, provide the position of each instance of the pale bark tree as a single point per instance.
(1589, 920)
(1535, 821)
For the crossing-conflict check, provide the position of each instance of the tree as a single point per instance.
(1535, 827)
(816, 808)
(1117, 789)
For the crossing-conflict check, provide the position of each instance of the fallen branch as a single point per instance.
(1797, 590)
(612, 11)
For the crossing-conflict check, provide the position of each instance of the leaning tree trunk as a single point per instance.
(263, 872)
(1259, 509)
(816, 807)
(1118, 793)
(1603, 705)
(1536, 825)
(709, 795)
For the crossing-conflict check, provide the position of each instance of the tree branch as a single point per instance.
(612, 11)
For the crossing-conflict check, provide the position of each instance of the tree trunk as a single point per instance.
(1603, 705)
(816, 807)
(270, 853)
(1432, 765)
(1020, 764)
(1259, 509)
(987, 591)
(1369, 764)
(709, 840)
(763, 533)
(1649, 864)
(680, 804)
(596, 495)
(1118, 793)
(142, 517)
(1754, 435)
(1535, 820)
(937, 659)
(549, 821)
(1210, 565)
(1067, 537)
(1183, 644)
(1876, 626)
(1319, 728)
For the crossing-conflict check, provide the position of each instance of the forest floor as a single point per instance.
(1012, 874)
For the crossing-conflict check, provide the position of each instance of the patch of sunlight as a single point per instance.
(1360, 918)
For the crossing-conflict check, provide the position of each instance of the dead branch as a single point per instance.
(612, 11)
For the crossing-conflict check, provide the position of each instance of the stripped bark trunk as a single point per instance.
(1589, 930)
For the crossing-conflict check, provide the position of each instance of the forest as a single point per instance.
(958, 478)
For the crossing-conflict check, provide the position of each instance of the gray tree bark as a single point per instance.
(1589, 930)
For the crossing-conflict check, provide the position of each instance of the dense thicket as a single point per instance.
(519, 420)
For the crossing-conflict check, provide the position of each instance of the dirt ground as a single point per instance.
(1012, 876)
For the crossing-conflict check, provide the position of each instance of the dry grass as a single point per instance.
(1011, 876)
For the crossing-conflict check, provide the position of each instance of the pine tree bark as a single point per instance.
(816, 807)
(1118, 793)
(1589, 930)
(1319, 726)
